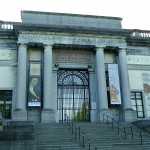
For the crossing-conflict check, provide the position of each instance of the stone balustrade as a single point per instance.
(140, 34)
(6, 25)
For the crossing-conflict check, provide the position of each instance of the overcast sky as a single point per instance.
(135, 13)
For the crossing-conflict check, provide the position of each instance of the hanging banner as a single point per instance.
(114, 84)
(34, 89)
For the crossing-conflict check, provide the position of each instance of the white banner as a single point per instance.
(114, 84)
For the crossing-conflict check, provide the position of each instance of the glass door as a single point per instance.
(73, 95)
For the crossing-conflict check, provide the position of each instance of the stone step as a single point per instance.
(58, 136)
(55, 136)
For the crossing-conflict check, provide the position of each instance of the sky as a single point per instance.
(135, 13)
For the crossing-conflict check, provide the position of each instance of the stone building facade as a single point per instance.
(54, 65)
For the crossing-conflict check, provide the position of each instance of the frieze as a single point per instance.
(51, 39)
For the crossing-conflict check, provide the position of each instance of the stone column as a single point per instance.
(125, 87)
(20, 111)
(101, 82)
(47, 114)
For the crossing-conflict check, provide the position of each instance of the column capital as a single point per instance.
(122, 49)
(48, 45)
(99, 48)
(23, 45)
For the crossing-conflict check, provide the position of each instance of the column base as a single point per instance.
(48, 116)
(93, 116)
(106, 112)
(130, 115)
(19, 115)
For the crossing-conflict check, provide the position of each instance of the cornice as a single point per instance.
(71, 29)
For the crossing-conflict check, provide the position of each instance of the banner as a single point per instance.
(34, 89)
(114, 84)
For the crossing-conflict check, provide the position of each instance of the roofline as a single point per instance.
(70, 14)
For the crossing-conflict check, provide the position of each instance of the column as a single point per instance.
(101, 79)
(48, 87)
(128, 113)
(124, 79)
(21, 84)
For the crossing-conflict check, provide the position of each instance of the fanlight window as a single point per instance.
(72, 77)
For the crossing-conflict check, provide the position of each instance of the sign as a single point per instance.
(34, 89)
(138, 59)
(74, 40)
(72, 56)
(146, 89)
(6, 54)
(114, 84)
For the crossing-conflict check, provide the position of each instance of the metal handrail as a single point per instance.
(2, 121)
(119, 127)
(80, 134)
(114, 123)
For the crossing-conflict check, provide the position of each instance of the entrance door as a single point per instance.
(73, 95)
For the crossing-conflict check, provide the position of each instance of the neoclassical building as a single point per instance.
(54, 65)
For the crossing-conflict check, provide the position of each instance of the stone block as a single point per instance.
(48, 116)
(130, 115)
(20, 115)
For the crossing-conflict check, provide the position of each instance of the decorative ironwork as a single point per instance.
(73, 94)
(72, 77)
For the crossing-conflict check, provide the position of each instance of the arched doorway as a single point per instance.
(73, 95)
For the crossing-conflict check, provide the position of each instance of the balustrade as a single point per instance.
(141, 34)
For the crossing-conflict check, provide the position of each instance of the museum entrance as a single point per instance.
(73, 95)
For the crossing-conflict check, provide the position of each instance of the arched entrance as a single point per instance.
(73, 95)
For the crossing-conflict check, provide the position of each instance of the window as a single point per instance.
(6, 103)
(137, 103)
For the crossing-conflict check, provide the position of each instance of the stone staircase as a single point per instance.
(105, 138)
(55, 136)
(18, 135)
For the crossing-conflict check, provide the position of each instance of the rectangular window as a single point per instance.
(137, 103)
(6, 103)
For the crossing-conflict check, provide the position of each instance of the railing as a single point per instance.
(80, 135)
(2, 121)
(7, 25)
(128, 132)
(140, 34)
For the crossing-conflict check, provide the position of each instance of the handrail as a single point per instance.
(133, 130)
(2, 122)
(116, 124)
(80, 134)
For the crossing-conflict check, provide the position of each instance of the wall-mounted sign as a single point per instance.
(138, 59)
(72, 56)
(6, 54)
(114, 84)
